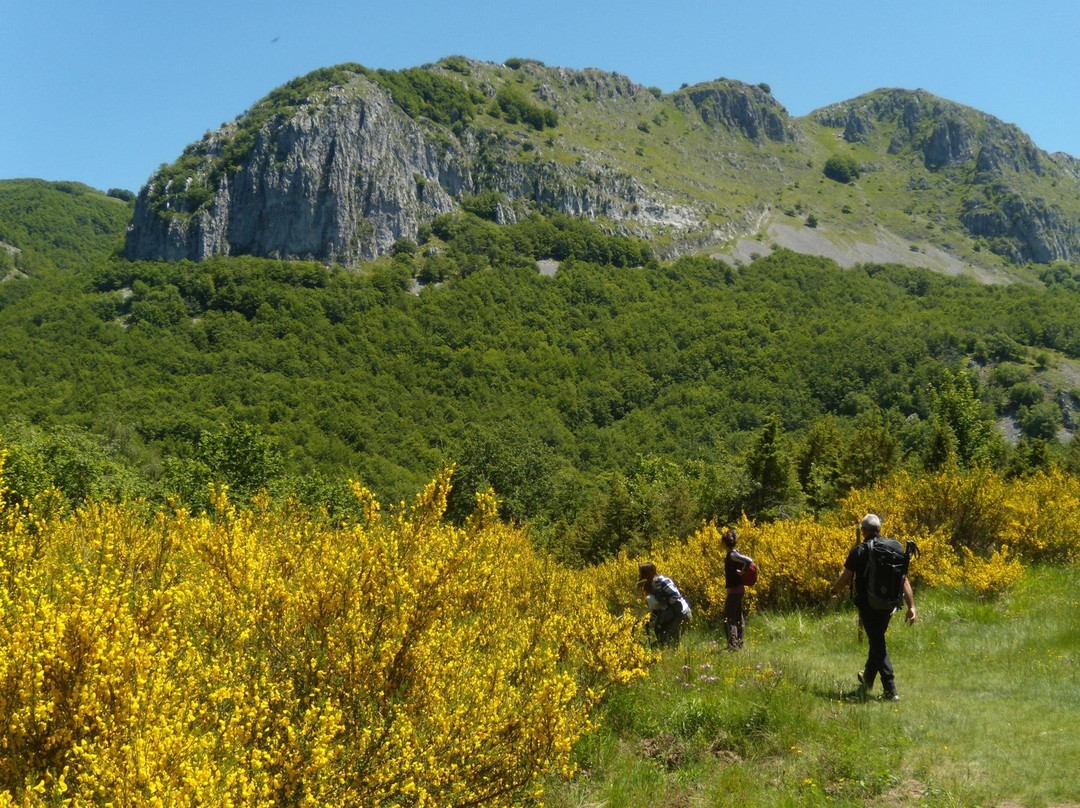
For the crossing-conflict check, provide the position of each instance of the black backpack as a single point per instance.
(886, 565)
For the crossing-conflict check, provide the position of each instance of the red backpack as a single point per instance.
(749, 575)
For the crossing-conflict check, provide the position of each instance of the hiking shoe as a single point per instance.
(891, 695)
(861, 676)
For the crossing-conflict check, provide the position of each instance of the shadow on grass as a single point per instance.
(839, 693)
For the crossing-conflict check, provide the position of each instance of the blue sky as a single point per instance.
(103, 92)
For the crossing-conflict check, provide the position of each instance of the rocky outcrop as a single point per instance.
(944, 133)
(341, 179)
(1023, 226)
(746, 110)
(1023, 229)
(337, 182)
(9, 256)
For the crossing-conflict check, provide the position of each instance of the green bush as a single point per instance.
(842, 168)
(1025, 394)
(423, 93)
(459, 64)
(484, 204)
(513, 106)
(1041, 421)
(1009, 374)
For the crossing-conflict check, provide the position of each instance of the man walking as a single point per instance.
(884, 561)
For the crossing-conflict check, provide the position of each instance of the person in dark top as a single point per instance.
(735, 564)
(874, 621)
(667, 606)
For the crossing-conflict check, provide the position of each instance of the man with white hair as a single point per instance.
(877, 558)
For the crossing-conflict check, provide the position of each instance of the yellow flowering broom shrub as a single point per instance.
(262, 656)
(974, 528)
(1043, 517)
(978, 527)
(797, 559)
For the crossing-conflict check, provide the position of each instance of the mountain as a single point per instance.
(49, 225)
(340, 164)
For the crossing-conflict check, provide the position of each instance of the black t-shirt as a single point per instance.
(856, 562)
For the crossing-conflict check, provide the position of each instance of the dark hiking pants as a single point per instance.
(734, 620)
(667, 625)
(876, 623)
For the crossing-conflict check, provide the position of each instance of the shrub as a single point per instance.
(1009, 374)
(842, 168)
(1025, 394)
(423, 93)
(1041, 420)
(459, 64)
(266, 657)
(515, 107)
(484, 204)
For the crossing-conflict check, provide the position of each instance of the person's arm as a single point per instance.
(909, 599)
(741, 560)
(843, 581)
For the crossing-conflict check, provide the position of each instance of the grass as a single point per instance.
(990, 712)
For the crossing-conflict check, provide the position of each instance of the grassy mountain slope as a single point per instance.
(620, 393)
(57, 225)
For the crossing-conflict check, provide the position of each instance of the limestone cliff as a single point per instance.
(348, 172)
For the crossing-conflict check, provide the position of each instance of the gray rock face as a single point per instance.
(341, 180)
(338, 183)
(1037, 231)
(741, 108)
(950, 143)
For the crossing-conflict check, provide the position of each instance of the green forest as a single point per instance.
(620, 401)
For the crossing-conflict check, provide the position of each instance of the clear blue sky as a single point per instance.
(104, 91)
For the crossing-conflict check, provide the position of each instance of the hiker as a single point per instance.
(735, 564)
(875, 616)
(667, 606)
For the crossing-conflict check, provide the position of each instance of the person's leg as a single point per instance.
(667, 626)
(732, 609)
(741, 620)
(876, 623)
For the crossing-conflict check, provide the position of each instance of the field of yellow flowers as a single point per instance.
(974, 530)
(265, 656)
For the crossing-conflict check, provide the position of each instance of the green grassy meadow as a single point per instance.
(989, 712)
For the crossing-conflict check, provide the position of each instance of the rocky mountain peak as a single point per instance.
(743, 109)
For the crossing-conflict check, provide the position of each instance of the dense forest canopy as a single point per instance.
(617, 401)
